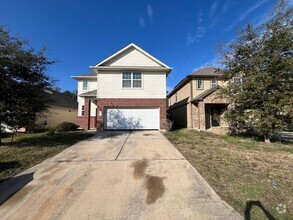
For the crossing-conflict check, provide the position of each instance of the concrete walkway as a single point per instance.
(113, 175)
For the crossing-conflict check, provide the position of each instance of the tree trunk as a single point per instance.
(13, 133)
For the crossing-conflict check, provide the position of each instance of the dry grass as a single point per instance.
(241, 170)
(30, 149)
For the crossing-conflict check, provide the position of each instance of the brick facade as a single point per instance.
(113, 102)
(82, 121)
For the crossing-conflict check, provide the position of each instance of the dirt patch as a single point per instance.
(139, 168)
(155, 187)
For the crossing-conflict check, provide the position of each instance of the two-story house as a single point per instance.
(125, 91)
(196, 102)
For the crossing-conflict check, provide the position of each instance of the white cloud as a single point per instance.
(246, 13)
(213, 9)
(225, 6)
(141, 21)
(200, 30)
(150, 12)
(199, 17)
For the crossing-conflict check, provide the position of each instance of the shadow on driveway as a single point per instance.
(13, 185)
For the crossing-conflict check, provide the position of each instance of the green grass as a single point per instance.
(241, 170)
(32, 148)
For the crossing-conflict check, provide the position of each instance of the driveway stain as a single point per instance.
(139, 168)
(147, 134)
(155, 187)
(154, 184)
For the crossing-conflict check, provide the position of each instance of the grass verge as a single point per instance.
(30, 149)
(251, 176)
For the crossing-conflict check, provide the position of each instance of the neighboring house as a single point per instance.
(61, 108)
(125, 91)
(196, 103)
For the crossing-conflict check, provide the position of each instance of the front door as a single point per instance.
(216, 116)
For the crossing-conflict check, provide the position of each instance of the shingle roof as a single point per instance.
(90, 93)
(206, 93)
(62, 100)
(207, 71)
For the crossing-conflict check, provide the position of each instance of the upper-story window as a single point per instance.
(131, 80)
(237, 80)
(214, 82)
(199, 84)
(85, 84)
(176, 98)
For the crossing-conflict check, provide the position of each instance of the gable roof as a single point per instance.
(62, 100)
(206, 93)
(103, 63)
(205, 72)
(135, 47)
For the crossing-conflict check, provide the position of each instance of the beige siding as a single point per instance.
(131, 57)
(153, 85)
(207, 85)
(55, 116)
(182, 94)
(92, 85)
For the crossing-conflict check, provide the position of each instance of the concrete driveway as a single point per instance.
(113, 175)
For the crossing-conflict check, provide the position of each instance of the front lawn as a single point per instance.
(251, 176)
(32, 148)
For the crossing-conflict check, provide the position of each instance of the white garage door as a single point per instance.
(132, 118)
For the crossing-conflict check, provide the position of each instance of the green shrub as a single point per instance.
(66, 126)
(51, 131)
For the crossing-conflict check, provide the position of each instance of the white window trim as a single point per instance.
(197, 84)
(214, 83)
(131, 86)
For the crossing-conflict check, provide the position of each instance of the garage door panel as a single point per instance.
(132, 118)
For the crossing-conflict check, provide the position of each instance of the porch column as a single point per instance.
(87, 113)
(201, 116)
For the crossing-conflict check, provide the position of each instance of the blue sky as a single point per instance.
(79, 33)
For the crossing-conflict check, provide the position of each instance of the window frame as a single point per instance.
(132, 80)
(214, 84)
(237, 77)
(202, 85)
(82, 110)
(83, 85)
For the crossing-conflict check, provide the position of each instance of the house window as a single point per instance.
(82, 110)
(237, 80)
(214, 82)
(199, 84)
(176, 98)
(137, 80)
(131, 80)
(84, 84)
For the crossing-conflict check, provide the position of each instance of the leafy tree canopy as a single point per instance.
(262, 57)
(23, 80)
